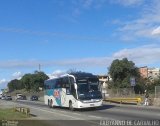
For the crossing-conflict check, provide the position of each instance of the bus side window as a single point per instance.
(65, 82)
(66, 85)
(58, 83)
(71, 80)
(72, 88)
(68, 92)
(47, 87)
(53, 84)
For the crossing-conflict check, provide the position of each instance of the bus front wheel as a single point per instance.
(71, 106)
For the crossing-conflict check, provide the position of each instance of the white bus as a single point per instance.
(76, 90)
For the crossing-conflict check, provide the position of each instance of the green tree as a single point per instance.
(121, 71)
(27, 80)
(151, 86)
(11, 86)
(15, 85)
(34, 81)
(37, 80)
(140, 85)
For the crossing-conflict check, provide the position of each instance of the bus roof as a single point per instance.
(77, 75)
(64, 75)
(83, 75)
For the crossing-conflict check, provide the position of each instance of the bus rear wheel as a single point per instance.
(51, 103)
(71, 106)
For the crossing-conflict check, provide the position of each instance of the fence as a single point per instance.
(157, 91)
(123, 92)
(22, 110)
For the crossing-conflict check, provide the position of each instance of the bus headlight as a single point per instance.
(91, 101)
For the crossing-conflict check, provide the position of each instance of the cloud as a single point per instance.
(87, 4)
(127, 2)
(17, 75)
(19, 63)
(56, 73)
(85, 62)
(156, 31)
(81, 6)
(3, 83)
(144, 25)
(143, 55)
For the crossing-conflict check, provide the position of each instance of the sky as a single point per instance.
(84, 35)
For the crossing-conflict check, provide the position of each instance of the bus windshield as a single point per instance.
(88, 89)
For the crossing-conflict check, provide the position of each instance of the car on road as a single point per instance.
(22, 97)
(0, 96)
(34, 98)
(8, 97)
(3, 97)
(18, 96)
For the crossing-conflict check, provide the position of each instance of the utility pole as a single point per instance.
(39, 67)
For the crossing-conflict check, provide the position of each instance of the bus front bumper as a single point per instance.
(89, 104)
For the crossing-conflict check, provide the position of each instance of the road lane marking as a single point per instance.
(38, 108)
(77, 114)
(53, 112)
(98, 117)
(65, 112)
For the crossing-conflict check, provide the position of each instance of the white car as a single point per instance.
(18, 96)
(3, 97)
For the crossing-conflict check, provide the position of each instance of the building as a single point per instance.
(150, 73)
(144, 71)
(153, 73)
(104, 79)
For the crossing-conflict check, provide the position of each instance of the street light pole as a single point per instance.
(39, 67)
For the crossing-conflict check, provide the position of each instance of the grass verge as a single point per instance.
(10, 114)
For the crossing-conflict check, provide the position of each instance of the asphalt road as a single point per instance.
(107, 112)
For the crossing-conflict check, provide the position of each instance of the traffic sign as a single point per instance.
(133, 81)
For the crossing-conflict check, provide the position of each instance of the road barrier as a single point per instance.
(23, 110)
(125, 100)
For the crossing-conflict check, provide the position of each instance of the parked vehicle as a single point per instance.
(18, 96)
(3, 97)
(23, 97)
(8, 97)
(34, 98)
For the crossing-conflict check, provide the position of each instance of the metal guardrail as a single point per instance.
(125, 100)
(23, 110)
